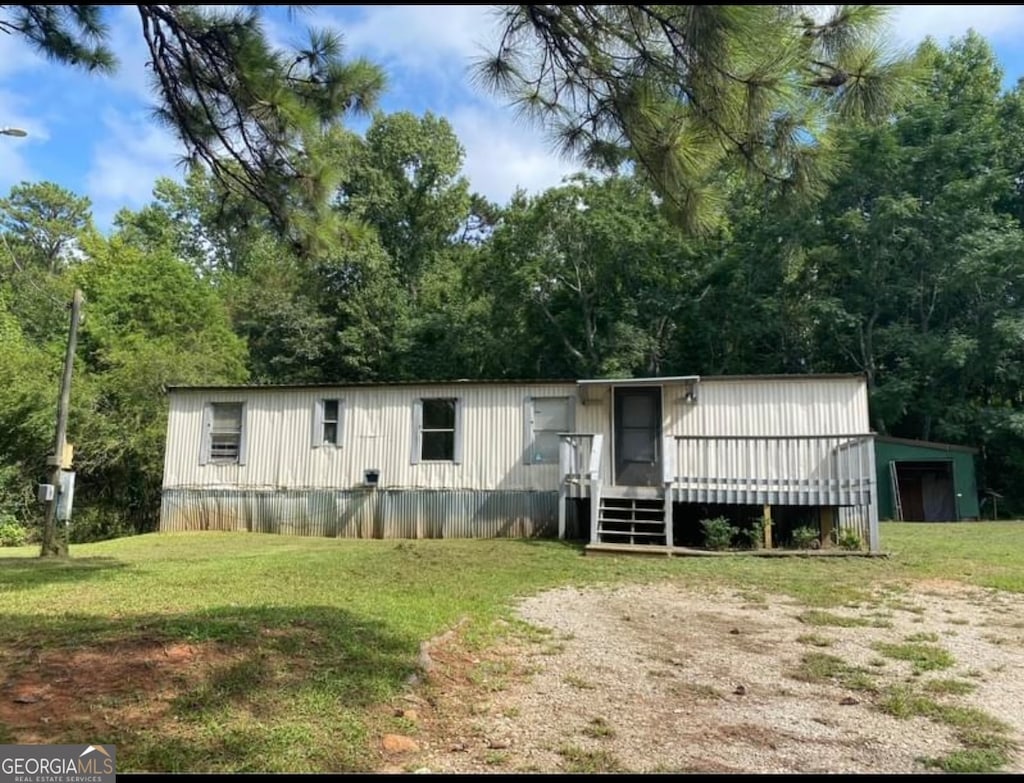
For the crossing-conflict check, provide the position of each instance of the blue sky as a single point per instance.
(93, 134)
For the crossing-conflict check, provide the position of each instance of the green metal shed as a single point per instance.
(924, 481)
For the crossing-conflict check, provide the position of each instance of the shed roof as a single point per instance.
(925, 444)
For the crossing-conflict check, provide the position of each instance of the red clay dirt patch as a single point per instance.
(50, 695)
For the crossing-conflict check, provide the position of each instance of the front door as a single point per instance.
(638, 436)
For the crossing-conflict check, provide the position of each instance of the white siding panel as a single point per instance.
(377, 434)
(593, 415)
(753, 406)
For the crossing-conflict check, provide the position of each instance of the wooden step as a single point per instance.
(628, 521)
(640, 493)
(635, 519)
(632, 502)
(629, 533)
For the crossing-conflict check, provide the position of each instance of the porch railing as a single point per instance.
(799, 470)
(579, 464)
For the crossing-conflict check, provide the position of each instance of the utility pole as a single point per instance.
(55, 542)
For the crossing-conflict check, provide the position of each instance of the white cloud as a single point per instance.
(13, 166)
(911, 23)
(126, 164)
(421, 38)
(14, 151)
(127, 42)
(502, 154)
(16, 56)
(427, 51)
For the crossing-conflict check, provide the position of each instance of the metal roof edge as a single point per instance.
(363, 385)
(787, 377)
(649, 381)
(926, 444)
(637, 381)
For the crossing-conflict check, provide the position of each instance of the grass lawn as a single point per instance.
(218, 652)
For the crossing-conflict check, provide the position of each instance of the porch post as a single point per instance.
(563, 494)
(594, 472)
(565, 458)
(668, 517)
(827, 524)
(668, 477)
(874, 544)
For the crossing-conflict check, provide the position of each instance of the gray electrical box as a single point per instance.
(45, 493)
(66, 496)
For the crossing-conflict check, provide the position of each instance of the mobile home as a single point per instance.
(613, 461)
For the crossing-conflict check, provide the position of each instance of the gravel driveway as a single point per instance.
(652, 678)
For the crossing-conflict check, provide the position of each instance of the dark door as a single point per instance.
(638, 436)
(926, 491)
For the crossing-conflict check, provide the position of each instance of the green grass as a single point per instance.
(822, 667)
(969, 760)
(924, 657)
(300, 641)
(820, 617)
(697, 690)
(987, 745)
(579, 760)
(599, 728)
(950, 687)
(814, 640)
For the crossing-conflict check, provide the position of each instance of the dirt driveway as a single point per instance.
(655, 678)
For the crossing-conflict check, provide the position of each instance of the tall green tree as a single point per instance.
(408, 184)
(41, 222)
(150, 323)
(909, 269)
(682, 91)
(590, 279)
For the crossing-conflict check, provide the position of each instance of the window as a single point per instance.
(438, 430)
(330, 428)
(548, 417)
(437, 424)
(328, 422)
(329, 431)
(224, 440)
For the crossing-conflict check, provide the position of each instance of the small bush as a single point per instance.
(805, 538)
(718, 533)
(93, 524)
(11, 533)
(753, 536)
(848, 539)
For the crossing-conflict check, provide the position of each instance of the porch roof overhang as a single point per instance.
(591, 388)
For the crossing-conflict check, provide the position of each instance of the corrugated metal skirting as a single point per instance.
(364, 513)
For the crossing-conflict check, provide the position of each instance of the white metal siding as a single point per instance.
(743, 406)
(377, 430)
(377, 433)
(771, 406)
(593, 415)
